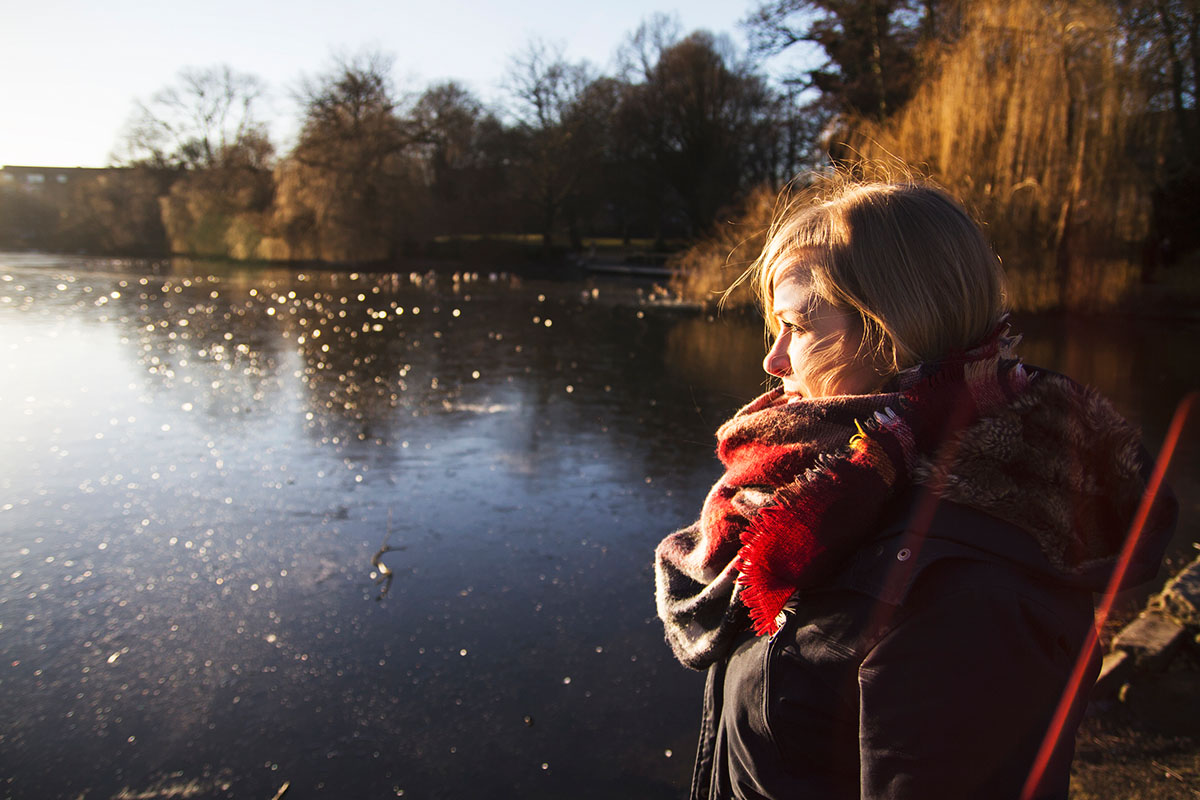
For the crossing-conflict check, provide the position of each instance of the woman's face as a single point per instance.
(816, 353)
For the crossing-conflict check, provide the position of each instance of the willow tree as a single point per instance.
(1030, 115)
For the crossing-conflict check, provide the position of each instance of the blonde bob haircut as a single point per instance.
(905, 259)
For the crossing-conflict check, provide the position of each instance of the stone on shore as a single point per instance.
(1181, 596)
(1151, 639)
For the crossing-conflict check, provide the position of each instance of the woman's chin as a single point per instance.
(793, 392)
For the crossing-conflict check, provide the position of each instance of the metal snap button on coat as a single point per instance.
(903, 554)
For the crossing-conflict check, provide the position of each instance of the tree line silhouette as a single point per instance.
(1071, 127)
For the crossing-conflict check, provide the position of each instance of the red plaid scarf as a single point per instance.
(805, 480)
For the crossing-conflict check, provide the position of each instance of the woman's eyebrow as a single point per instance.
(804, 313)
(779, 313)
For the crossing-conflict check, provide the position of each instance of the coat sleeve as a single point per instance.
(956, 700)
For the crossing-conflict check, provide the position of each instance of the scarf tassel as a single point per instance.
(808, 531)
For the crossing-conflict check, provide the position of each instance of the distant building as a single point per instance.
(50, 180)
(79, 209)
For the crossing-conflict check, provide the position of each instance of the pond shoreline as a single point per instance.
(1177, 297)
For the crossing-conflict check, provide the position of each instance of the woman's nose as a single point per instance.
(777, 362)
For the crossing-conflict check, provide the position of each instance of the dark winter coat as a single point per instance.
(930, 667)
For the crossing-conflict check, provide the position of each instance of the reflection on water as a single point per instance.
(723, 355)
(207, 468)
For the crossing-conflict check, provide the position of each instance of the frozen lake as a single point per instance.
(200, 461)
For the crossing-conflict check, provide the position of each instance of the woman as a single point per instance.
(892, 581)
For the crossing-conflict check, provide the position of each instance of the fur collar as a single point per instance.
(1058, 462)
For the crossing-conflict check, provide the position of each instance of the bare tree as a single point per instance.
(1161, 41)
(351, 122)
(638, 54)
(708, 127)
(460, 158)
(869, 48)
(205, 118)
(543, 84)
(545, 89)
(351, 189)
(444, 121)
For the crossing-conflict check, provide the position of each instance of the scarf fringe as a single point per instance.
(815, 522)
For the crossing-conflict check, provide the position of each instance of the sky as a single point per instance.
(71, 71)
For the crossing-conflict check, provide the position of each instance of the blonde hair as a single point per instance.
(905, 259)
